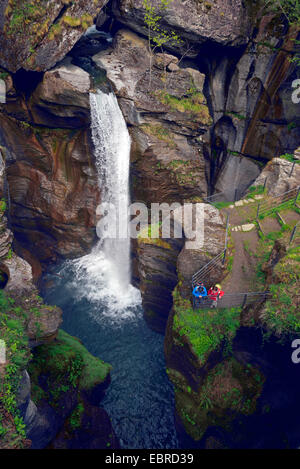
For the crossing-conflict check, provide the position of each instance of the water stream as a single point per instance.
(104, 310)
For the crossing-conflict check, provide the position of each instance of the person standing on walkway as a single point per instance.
(200, 292)
(215, 293)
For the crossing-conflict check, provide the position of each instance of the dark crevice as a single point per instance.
(25, 82)
(62, 12)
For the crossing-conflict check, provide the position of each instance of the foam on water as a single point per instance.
(103, 276)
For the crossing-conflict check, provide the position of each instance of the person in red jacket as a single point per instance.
(214, 293)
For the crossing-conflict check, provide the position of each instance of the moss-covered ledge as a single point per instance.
(212, 388)
(197, 339)
(63, 367)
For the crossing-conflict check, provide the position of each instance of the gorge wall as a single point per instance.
(206, 116)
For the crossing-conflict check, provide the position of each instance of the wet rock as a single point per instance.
(50, 171)
(92, 431)
(157, 259)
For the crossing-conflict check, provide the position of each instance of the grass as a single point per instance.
(12, 332)
(66, 364)
(289, 157)
(206, 330)
(151, 234)
(194, 103)
(160, 132)
(281, 315)
(230, 389)
(220, 205)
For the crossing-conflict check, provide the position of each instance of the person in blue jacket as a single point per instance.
(200, 292)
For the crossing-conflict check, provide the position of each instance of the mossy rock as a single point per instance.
(66, 365)
(230, 391)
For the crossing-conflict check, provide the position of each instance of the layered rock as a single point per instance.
(167, 113)
(157, 261)
(196, 22)
(254, 115)
(50, 166)
(42, 32)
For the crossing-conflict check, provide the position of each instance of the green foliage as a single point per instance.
(229, 390)
(9, 254)
(75, 417)
(12, 332)
(206, 330)
(289, 157)
(160, 132)
(290, 9)
(157, 35)
(2, 206)
(282, 312)
(66, 364)
(192, 103)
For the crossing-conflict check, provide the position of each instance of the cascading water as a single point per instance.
(104, 274)
(112, 150)
(104, 311)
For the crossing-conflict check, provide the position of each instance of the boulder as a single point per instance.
(62, 96)
(191, 259)
(281, 176)
(225, 22)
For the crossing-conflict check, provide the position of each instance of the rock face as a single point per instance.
(41, 33)
(168, 115)
(224, 369)
(66, 384)
(196, 22)
(191, 260)
(254, 116)
(157, 260)
(49, 164)
(281, 176)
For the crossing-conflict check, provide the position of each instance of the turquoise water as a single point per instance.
(140, 399)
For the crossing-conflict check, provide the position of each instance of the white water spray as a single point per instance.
(104, 274)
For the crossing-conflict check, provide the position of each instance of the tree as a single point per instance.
(157, 35)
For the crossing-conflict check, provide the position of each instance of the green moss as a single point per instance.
(12, 332)
(76, 416)
(71, 21)
(205, 330)
(67, 364)
(160, 132)
(27, 18)
(193, 104)
(281, 314)
(154, 230)
(229, 391)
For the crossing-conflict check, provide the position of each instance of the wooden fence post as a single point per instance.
(245, 300)
(226, 240)
(257, 213)
(293, 233)
(292, 170)
(298, 192)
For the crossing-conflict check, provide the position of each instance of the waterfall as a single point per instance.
(112, 151)
(103, 276)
